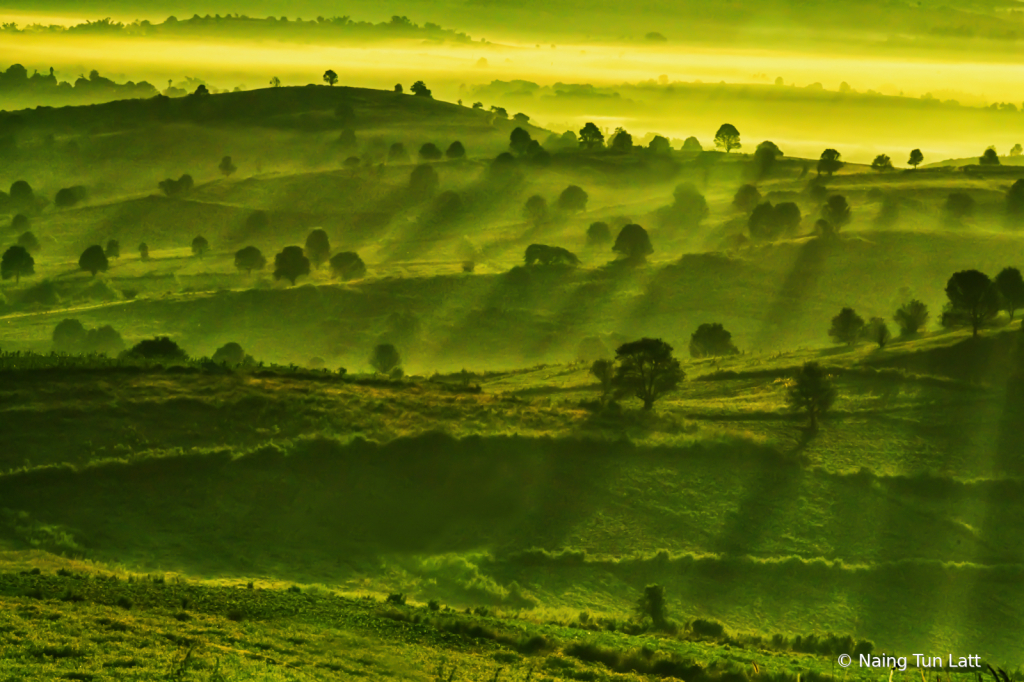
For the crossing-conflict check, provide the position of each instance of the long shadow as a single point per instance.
(803, 278)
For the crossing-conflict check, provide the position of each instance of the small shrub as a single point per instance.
(396, 599)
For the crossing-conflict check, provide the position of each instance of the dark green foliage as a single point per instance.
(703, 627)
(812, 391)
(500, 111)
(762, 222)
(911, 317)
(746, 198)
(398, 154)
(824, 228)
(174, 188)
(420, 89)
(572, 198)
(989, 158)
(226, 167)
(881, 163)
(250, 258)
(230, 353)
(347, 265)
(959, 205)
(521, 118)
(836, 211)
(711, 340)
(549, 255)
(396, 599)
(113, 249)
(659, 145)
(1014, 199)
(727, 137)
(591, 136)
(385, 358)
(847, 327)
(104, 339)
(69, 336)
(144, 251)
(22, 195)
(69, 196)
(536, 209)
(688, 208)
(291, 264)
(598, 233)
(692, 144)
(20, 222)
(764, 159)
(652, 605)
(888, 212)
(434, 605)
(352, 162)
(430, 152)
(330, 77)
(1011, 290)
(318, 247)
(423, 181)
(877, 331)
(633, 243)
(604, 371)
(503, 166)
(916, 158)
(93, 260)
(519, 140)
(972, 297)
(455, 150)
(200, 246)
(621, 142)
(158, 348)
(28, 241)
(788, 217)
(647, 368)
(829, 162)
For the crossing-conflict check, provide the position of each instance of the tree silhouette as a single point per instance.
(144, 251)
(836, 211)
(692, 144)
(647, 368)
(549, 255)
(291, 264)
(911, 317)
(20, 223)
(746, 198)
(318, 247)
(330, 77)
(711, 340)
(659, 145)
(105, 340)
(22, 195)
(688, 208)
(28, 241)
(916, 158)
(633, 243)
(385, 358)
(521, 118)
(250, 258)
(788, 217)
(398, 88)
(829, 162)
(455, 150)
(604, 371)
(430, 152)
(68, 336)
(812, 391)
(652, 605)
(727, 137)
(622, 141)
(397, 153)
(500, 111)
(158, 348)
(974, 296)
(536, 209)
(420, 89)
(877, 331)
(69, 196)
(764, 158)
(959, 205)
(881, 163)
(1016, 150)
(591, 136)
(1014, 199)
(200, 246)
(519, 140)
(989, 158)
(423, 181)
(598, 233)
(478, 105)
(847, 327)
(226, 167)
(275, 82)
(762, 222)
(347, 265)
(1011, 290)
(93, 260)
(113, 249)
(16, 263)
(572, 198)
(230, 354)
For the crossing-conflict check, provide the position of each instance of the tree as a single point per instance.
(788, 217)
(622, 141)
(572, 198)
(226, 167)
(916, 158)
(764, 158)
(598, 233)
(144, 251)
(633, 243)
(881, 163)
(69, 196)
(549, 255)
(275, 82)
(113, 249)
(330, 77)
(1014, 199)
(1016, 150)
(659, 145)
(647, 368)
(688, 208)
(158, 348)
(22, 195)
(536, 209)
(811, 391)
(711, 340)
(291, 264)
(1011, 290)
(877, 331)
(727, 137)
(105, 340)
(762, 222)
(836, 211)
(430, 152)
(519, 140)
(93, 260)
(420, 89)
(846, 327)
(604, 371)
(478, 105)
(20, 223)
(959, 205)
(28, 241)
(829, 162)
(972, 295)
(250, 258)
(989, 158)
(385, 358)
(591, 136)
(68, 337)
(499, 111)
(398, 88)
(200, 246)
(911, 317)
(455, 150)
(16, 263)
(397, 153)
(423, 180)
(230, 354)
(318, 247)
(692, 144)
(347, 265)
(521, 118)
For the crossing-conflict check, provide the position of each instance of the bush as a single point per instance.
(158, 348)
(230, 353)
(598, 233)
(385, 358)
(706, 628)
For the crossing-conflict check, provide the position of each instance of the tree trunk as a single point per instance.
(648, 403)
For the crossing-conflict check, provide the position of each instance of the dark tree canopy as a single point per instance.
(659, 145)
(603, 370)
(572, 198)
(226, 166)
(688, 208)
(989, 158)
(647, 368)
(911, 317)
(973, 296)
(397, 153)
(158, 348)
(385, 358)
(93, 260)
(230, 354)
(28, 241)
(549, 255)
(113, 249)
(847, 327)
(330, 77)
(829, 162)
(1014, 199)
(104, 340)
(318, 247)
(455, 150)
(916, 158)
(836, 211)
(68, 337)
(291, 264)
(1011, 290)
(692, 144)
(521, 118)
(430, 152)
(144, 251)
(423, 181)
(633, 242)
(536, 209)
(598, 233)
(250, 258)
(959, 205)
(200, 246)
(17, 262)
(519, 140)
(174, 188)
(20, 222)
(69, 196)
(420, 89)
(711, 340)
(764, 158)
(621, 141)
(877, 332)
(21, 194)
(882, 163)
(591, 136)
(812, 391)
(347, 265)
(727, 137)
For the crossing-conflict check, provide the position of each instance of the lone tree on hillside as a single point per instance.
(604, 371)
(93, 260)
(420, 89)
(519, 140)
(28, 241)
(916, 158)
(398, 88)
(275, 82)
(291, 264)
(881, 163)
(536, 209)
(226, 167)
(633, 243)
(250, 258)
(572, 198)
(591, 136)
(455, 150)
(113, 249)
(847, 327)
(143, 251)
(877, 331)
(711, 340)
(330, 77)
(318, 247)
(230, 354)
(385, 358)
(836, 211)
(200, 246)
(1011, 289)
(647, 368)
(829, 162)
(598, 233)
(911, 317)
(347, 265)
(974, 296)
(812, 391)
(17, 262)
(989, 158)
(430, 152)
(727, 137)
